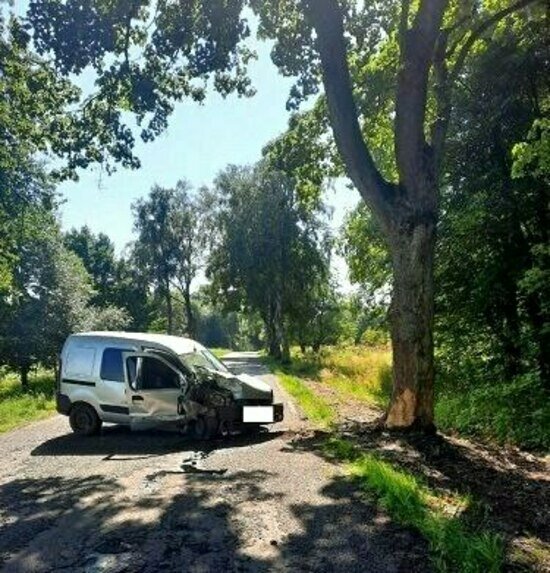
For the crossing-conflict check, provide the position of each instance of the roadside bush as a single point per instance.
(516, 412)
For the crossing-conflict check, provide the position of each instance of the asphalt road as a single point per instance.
(155, 501)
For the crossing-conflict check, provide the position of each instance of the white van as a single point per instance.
(144, 379)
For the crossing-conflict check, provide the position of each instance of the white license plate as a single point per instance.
(258, 414)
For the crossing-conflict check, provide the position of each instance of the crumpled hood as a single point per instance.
(244, 386)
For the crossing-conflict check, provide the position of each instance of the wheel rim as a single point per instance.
(83, 420)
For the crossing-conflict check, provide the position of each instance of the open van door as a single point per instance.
(153, 387)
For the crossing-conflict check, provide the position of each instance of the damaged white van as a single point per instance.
(144, 380)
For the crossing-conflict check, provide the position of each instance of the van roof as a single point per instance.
(176, 344)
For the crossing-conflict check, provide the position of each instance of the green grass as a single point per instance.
(360, 373)
(220, 352)
(516, 412)
(454, 545)
(313, 406)
(18, 407)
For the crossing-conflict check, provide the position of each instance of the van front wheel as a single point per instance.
(84, 420)
(205, 427)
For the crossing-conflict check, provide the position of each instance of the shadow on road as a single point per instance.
(47, 527)
(121, 441)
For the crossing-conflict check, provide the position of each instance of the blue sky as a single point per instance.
(199, 142)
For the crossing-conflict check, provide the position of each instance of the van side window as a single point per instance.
(155, 375)
(111, 365)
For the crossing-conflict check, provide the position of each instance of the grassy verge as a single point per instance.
(18, 407)
(454, 545)
(314, 407)
(359, 373)
(220, 352)
(516, 412)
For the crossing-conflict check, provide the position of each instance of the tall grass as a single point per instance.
(515, 412)
(18, 407)
(361, 373)
(454, 546)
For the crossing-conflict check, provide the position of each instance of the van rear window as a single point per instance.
(111, 365)
(80, 362)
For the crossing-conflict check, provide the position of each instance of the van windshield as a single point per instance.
(203, 358)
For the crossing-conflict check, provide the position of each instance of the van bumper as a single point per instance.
(62, 403)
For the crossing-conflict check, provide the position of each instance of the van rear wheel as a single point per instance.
(84, 420)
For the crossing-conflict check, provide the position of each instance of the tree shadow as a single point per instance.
(48, 526)
(116, 442)
(349, 534)
(511, 489)
(203, 520)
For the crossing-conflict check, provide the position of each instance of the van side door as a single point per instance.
(153, 387)
(111, 387)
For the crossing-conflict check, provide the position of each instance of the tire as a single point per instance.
(224, 429)
(205, 427)
(252, 429)
(84, 420)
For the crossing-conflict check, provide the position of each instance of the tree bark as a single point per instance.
(273, 345)
(411, 320)
(279, 330)
(169, 310)
(190, 318)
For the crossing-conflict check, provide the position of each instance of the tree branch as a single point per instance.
(476, 33)
(327, 20)
(412, 90)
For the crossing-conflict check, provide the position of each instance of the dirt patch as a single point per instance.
(511, 488)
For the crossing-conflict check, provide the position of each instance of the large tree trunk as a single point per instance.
(280, 331)
(411, 242)
(411, 318)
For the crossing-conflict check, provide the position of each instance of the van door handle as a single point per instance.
(137, 398)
